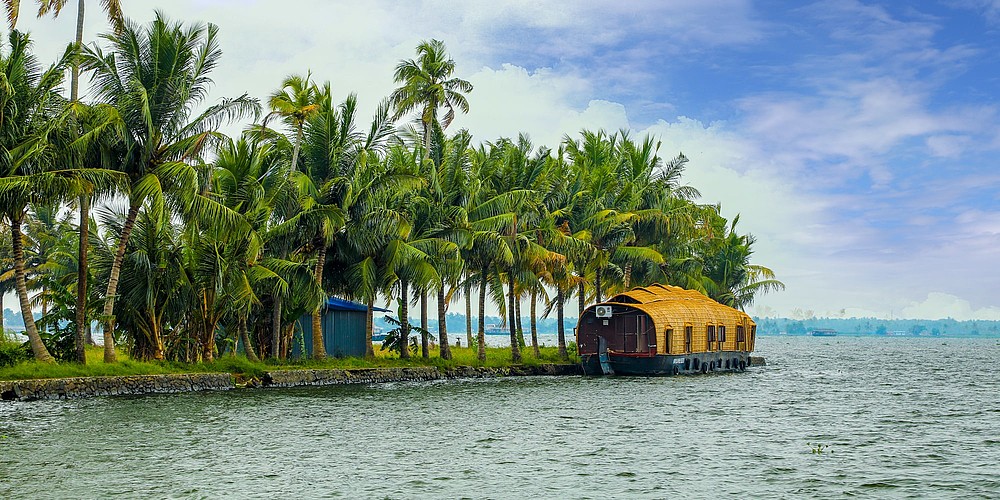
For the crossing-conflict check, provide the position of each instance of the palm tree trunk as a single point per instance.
(424, 346)
(318, 348)
(534, 326)
(517, 320)
(559, 323)
(81, 278)
(515, 348)
(581, 295)
(598, 292)
(468, 312)
(404, 320)
(74, 85)
(116, 267)
(207, 328)
(295, 149)
(481, 335)
(443, 324)
(81, 282)
(158, 350)
(276, 328)
(245, 338)
(427, 138)
(369, 327)
(17, 245)
(288, 331)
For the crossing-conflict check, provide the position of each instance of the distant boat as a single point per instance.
(823, 332)
(494, 329)
(377, 335)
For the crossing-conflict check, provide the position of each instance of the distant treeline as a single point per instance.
(881, 327)
(765, 326)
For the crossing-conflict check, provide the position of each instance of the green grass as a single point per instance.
(461, 356)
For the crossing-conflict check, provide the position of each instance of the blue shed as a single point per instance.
(343, 324)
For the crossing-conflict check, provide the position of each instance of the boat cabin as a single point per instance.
(664, 320)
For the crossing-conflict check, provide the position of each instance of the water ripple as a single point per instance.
(840, 417)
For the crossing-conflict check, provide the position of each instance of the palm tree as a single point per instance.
(249, 179)
(113, 11)
(731, 278)
(153, 278)
(90, 138)
(29, 103)
(427, 86)
(155, 76)
(296, 101)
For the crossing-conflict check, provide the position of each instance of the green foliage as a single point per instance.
(233, 247)
(11, 351)
(819, 448)
(244, 368)
(394, 337)
(571, 350)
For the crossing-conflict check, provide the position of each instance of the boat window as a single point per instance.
(688, 330)
(722, 333)
(741, 335)
(670, 339)
(710, 333)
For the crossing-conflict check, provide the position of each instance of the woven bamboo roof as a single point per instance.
(671, 306)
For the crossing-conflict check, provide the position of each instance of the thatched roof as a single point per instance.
(673, 307)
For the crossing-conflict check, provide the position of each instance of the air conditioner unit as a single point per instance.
(602, 311)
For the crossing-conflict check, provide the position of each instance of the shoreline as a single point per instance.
(137, 385)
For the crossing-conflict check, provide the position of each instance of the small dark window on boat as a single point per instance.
(722, 333)
(710, 333)
(670, 338)
(688, 330)
(741, 335)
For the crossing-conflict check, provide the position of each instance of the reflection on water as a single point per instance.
(827, 417)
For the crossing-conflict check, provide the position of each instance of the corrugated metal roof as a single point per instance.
(338, 304)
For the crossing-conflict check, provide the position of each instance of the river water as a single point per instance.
(827, 417)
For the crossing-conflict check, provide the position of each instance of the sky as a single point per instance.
(858, 141)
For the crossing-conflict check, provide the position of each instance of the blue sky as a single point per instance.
(857, 139)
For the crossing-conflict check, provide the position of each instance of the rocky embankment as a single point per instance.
(82, 387)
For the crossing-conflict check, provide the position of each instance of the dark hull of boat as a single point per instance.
(664, 364)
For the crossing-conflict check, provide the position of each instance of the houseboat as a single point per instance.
(822, 332)
(663, 330)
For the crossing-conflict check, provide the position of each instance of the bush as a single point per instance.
(11, 351)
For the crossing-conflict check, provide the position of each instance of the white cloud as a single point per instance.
(542, 103)
(546, 69)
(948, 146)
(942, 305)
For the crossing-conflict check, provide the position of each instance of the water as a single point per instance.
(892, 417)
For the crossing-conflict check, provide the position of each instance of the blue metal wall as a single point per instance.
(343, 334)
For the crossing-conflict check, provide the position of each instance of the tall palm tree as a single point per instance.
(29, 104)
(113, 11)
(296, 101)
(155, 76)
(428, 86)
(90, 138)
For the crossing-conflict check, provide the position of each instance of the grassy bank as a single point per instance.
(95, 367)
